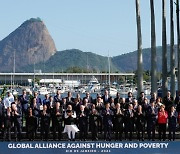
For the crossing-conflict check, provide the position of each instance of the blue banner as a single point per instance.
(89, 147)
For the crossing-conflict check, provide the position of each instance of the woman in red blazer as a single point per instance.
(162, 121)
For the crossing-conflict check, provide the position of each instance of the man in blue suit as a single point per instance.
(107, 121)
(152, 113)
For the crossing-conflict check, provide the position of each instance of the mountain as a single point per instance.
(31, 43)
(62, 60)
(128, 62)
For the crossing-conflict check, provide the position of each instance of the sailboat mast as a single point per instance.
(14, 68)
(34, 76)
(109, 82)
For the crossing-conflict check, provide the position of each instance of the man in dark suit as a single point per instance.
(45, 123)
(24, 100)
(69, 99)
(38, 100)
(118, 122)
(152, 113)
(117, 99)
(129, 121)
(1, 115)
(57, 121)
(141, 99)
(106, 97)
(177, 102)
(172, 122)
(57, 97)
(7, 124)
(89, 98)
(130, 98)
(17, 119)
(107, 121)
(168, 101)
(31, 125)
(93, 124)
(83, 123)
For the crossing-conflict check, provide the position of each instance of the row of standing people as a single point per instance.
(104, 113)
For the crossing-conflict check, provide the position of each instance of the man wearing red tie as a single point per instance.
(162, 120)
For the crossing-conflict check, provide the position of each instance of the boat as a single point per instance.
(14, 92)
(112, 91)
(93, 85)
(43, 90)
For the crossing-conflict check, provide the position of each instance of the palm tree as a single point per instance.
(164, 50)
(178, 42)
(153, 51)
(172, 65)
(140, 58)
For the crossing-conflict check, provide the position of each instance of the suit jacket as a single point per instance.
(90, 99)
(31, 123)
(36, 110)
(172, 119)
(17, 117)
(140, 119)
(106, 100)
(7, 120)
(45, 121)
(118, 118)
(57, 98)
(1, 110)
(168, 103)
(24, 102)
(83, 119)
(177, 102)
(129, 120)
(94, 120)
(152, 116)
(117, 100)
(107, 117)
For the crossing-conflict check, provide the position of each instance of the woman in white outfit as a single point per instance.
(70, 127)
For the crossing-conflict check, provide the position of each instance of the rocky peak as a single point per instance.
(31, 43)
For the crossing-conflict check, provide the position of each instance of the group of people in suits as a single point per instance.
(104, 114)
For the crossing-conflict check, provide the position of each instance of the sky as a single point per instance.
(98, 26)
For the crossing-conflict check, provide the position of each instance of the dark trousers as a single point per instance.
(45, 133)
(7, 133)
(17, 130)
(83, 131)
(118, 131)
(31, 133)
(100, 125)
(172, 135)
(151, 129)
(162, 131)
(94, 131)
(172, 131)
(140, 134)
(129, 128)
(57, 128)
(107, 132)
(140, 131)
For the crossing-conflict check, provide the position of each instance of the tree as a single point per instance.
(140, 58)
(178, 42)
(164, 50)
(153, 51)
(172, 52)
